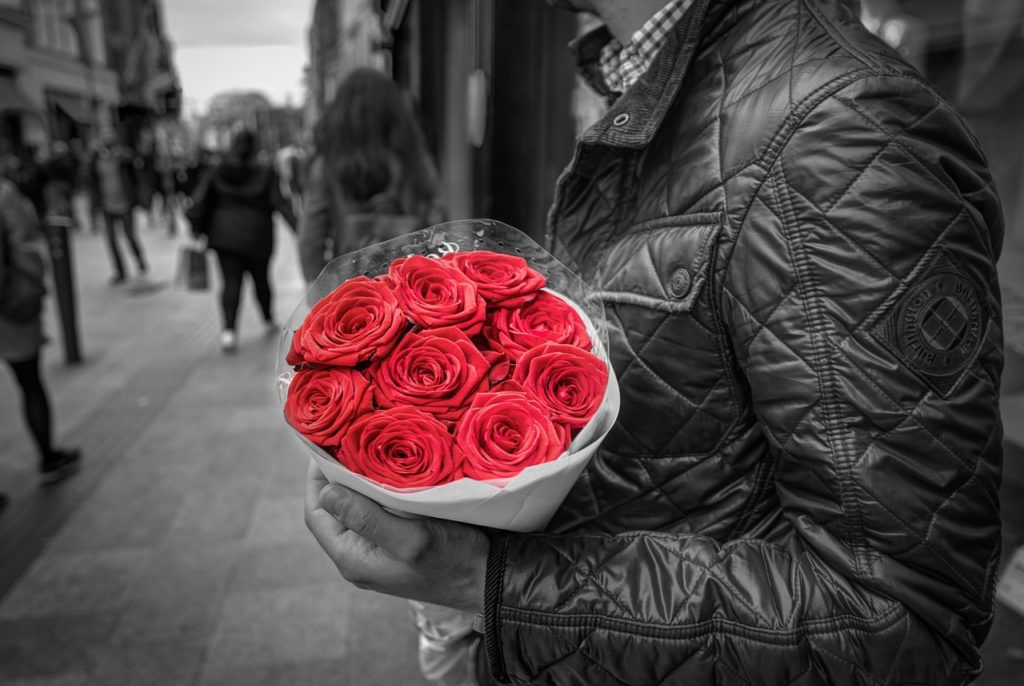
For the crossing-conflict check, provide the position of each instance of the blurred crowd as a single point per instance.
(366, 176)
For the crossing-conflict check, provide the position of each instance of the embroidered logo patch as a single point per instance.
(937, 326)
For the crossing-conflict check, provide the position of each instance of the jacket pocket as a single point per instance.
(660, 264)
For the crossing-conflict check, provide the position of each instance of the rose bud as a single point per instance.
(546, 318)
(323, 402)
(435, 370)
(400, 447)
(568, 381)
(359, 321)
(434, 294)
(502, 280)
(505, 432)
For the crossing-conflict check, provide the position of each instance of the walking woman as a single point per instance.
(233, 208)
(22, 288)
(371, 179)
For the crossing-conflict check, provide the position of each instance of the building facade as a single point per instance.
(55, 82)
(343, 35)
(140, 53)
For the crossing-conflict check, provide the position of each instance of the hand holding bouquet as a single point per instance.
(441, 374)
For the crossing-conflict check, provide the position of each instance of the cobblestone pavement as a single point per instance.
(178, 556)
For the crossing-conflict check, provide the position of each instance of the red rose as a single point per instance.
(546, 318)
(400, 447)
(568, 381)
(322, 402)
(500, 366)
(359, 321)
(503, 433)
(434, 294)
(436, 371)
(502, 280)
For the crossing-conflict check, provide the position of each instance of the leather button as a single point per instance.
(621, 120)
(679, 283)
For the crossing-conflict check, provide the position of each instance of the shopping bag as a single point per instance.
(193, 269)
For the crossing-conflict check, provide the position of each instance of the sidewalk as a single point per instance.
(178, 556)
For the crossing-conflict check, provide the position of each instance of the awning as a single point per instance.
(11, 98)
(75, 108)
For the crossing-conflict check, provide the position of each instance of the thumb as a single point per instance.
(397, 535)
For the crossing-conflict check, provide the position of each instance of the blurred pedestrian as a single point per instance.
(233, 208)
(147, 178)
(114, 177)
(371, 178)
(22, 288)
(290, 162)
(59, 178)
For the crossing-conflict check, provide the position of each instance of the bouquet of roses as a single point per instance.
(458, 372)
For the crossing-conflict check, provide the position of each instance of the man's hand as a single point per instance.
(431, 560)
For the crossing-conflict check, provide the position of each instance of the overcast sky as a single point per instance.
(239, 44)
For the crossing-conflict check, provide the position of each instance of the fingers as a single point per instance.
(322, 524)
(402, 538)
(315, 482)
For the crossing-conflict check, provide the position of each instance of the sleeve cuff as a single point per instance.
(493, 586)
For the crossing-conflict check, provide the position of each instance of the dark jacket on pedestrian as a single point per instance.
(795, 238)
(22, 276)
(112, 180)
(234, 206)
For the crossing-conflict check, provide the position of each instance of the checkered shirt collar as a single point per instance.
(622, 65)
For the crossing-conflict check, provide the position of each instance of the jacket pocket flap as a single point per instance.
(661, 264)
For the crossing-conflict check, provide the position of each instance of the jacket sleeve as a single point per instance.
(315, 223)
(23, 239)
(201, 207)
(861, 307)
(281, 204)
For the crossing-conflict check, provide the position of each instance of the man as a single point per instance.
(795, 238)
(114, 178)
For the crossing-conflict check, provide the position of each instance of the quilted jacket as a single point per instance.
(795, 239)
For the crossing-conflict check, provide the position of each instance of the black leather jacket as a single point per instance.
(795, 237)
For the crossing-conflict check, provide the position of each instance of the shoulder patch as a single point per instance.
(937, 326)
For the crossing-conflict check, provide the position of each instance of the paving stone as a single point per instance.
(143, 514)
(383, 655)
(290, 625)
(216, 510)
(314, 672)
(280, 565)
(69, 679)
(150, 664)
(78, 582)
(278, 520)
(179, 598)
(53, 647)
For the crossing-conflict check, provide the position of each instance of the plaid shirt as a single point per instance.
(621, 66)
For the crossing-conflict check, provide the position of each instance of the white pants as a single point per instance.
(448, 644)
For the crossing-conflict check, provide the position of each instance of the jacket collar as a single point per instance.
(635, 117)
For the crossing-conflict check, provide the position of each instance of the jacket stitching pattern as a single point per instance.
(589, 576)
(815, 318)
(853, 107)
(893, 140)
(832, 226)
(659, 486)
(778, 142)
(834, 625)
